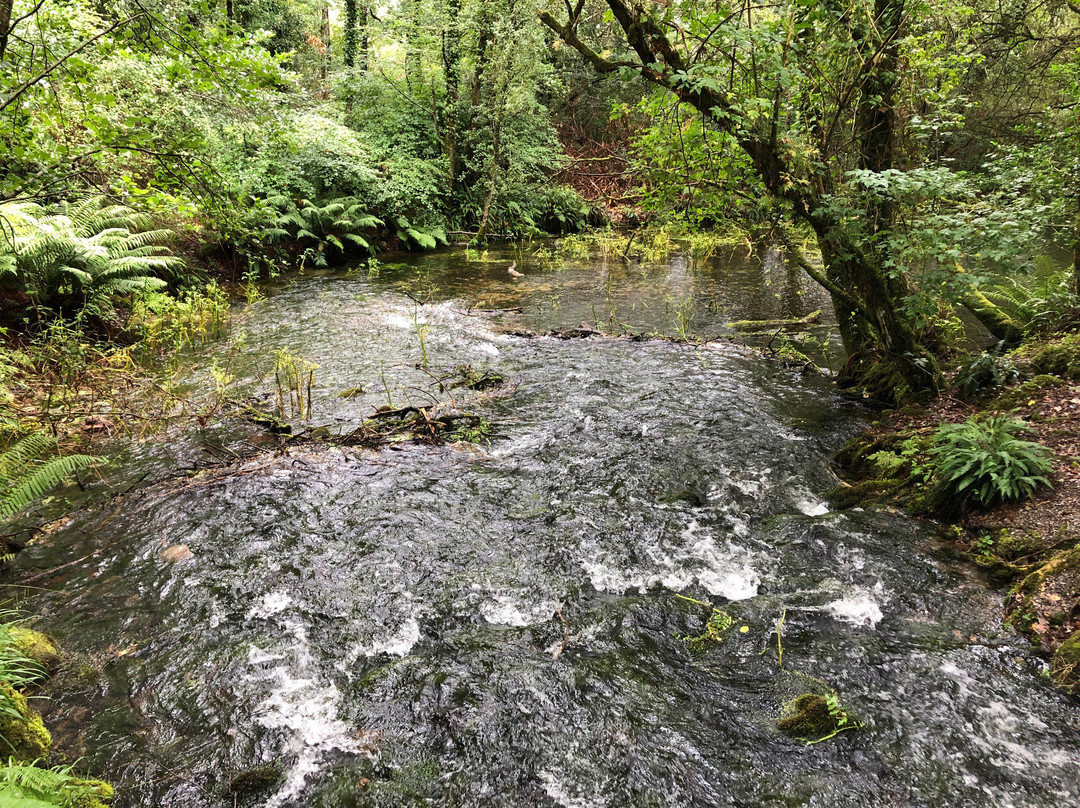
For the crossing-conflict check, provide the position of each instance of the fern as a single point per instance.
(336, 225)
(82, 248)
(26, 475)
(412, 236)
(28, 786)
(988, 461)
(1044, 302)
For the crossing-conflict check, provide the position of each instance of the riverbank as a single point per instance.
(1030, 546)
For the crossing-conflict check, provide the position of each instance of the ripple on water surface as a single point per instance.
(500, 627)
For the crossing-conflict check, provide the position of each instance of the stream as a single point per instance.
(500, 625)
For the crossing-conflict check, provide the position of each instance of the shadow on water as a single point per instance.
(499, 625)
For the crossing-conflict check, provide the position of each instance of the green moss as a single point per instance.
(854, 453)
(22, 735)
(1024, 602)
(809, 717)
(36, 646)
(867, 492)
(1065, 664)
(1013, 546)
(1057, 357)
(101, 794)
(1020, 395)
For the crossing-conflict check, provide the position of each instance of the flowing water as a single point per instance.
(500, 625)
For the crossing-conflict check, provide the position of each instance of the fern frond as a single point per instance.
(37, 481)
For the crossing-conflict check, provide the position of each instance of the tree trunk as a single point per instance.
(1076, 257)
(348, 51)
(451, 53)
(325, 66)
(364, 36)
(5, 24)
(481, 232)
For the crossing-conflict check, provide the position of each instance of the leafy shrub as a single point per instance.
(985, 373)
(307, 156)
(563, 211)
(988, 461)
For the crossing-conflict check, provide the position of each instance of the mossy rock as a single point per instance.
(1023, 393)
(36, 646)
(255, 781)
(867, 492)
(100, 796)
(1052, 589)
(1065, 664)
(809, 718)
(1057, 357)
(22, 735)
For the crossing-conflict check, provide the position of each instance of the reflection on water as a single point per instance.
(499, 626)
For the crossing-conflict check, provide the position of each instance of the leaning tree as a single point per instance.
(808, 90)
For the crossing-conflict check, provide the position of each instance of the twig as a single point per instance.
(566, 633)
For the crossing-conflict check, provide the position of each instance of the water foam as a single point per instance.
(860, 608)
(299, 704)
(504, 610)
(724, 570)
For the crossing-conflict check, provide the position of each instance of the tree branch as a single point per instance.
(26, 85)
(568, 36)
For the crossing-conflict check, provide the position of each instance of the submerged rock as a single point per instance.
(178, 552)
(255, 781)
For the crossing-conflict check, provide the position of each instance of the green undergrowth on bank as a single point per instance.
(994, 462)
(27, 659)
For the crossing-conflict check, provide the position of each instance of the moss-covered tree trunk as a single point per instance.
(348, 51)
(5, 24)
(1076, 256)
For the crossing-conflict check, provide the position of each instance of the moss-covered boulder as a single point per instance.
(1065, 664)
(22, 733)
(1020, 395)
(98, 794)
(809, 717)
(865, 492)
(1055, 357)
(36, 646)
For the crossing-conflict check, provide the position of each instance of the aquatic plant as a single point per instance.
(718, 622)
(167, 324)
(988, 461)
(294, 377)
